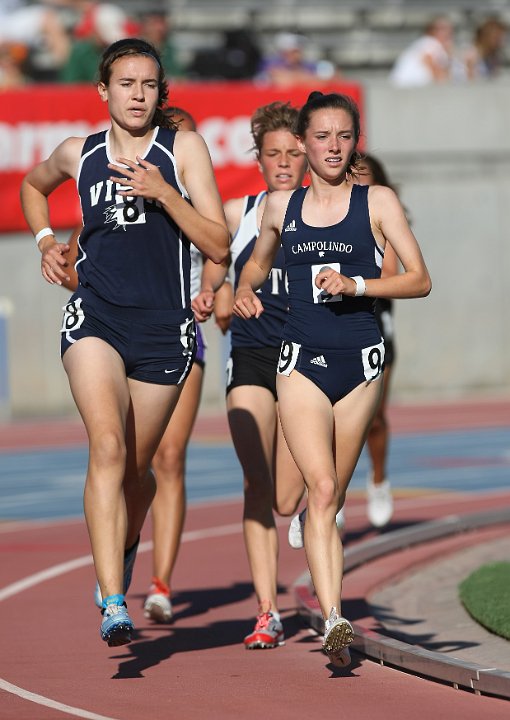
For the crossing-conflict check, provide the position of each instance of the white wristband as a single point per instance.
(360, 285)
(42, 233)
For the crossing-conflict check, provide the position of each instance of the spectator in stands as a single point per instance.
(12, 57)
(290, 66)
(237, 59)
(485, 57)
(27, 29)
(101, 25)
(429, 59)
(155, 27)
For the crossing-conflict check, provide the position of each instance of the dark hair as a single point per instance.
(174, 112)
(377, 169)
(274, 116)
(319, 101)
(136, 46)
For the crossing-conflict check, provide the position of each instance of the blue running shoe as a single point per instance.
(117, 626)
(129, 563)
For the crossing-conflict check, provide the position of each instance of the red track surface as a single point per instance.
(432, 417)
(197, 667)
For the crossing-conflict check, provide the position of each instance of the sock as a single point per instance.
(128, 550)
(117, 599)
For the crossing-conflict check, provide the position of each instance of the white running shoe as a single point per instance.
(157, 605)
(297, 528)
(379, 503)
(338, 635)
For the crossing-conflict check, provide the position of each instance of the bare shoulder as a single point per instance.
(189, 141)
(382, 198)
(278, 200)
(233, 212)
(67, 155)
(73, 145)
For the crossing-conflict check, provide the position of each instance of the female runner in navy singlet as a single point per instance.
(169, 505)
(128, 334)
(332, 356)
(271, 478)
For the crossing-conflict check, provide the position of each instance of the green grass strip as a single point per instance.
(486, 596)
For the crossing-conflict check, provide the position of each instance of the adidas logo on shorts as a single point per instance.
(291, 227)
(319, 360)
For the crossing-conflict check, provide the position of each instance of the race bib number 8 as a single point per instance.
(73, 316)
(188, 336)
(129, 210)
(289, 354)
(373, 361)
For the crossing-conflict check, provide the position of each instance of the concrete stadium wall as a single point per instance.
(447, 149)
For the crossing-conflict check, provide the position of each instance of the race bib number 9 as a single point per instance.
(373, 361)
(289, 354)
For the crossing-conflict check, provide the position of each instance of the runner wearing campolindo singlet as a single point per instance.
(334, 340)
(328, 382)
(256, 343)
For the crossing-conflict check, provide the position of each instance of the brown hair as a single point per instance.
(136, 46)
(319, 101)
(274, 116)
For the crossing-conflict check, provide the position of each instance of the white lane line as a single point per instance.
(61, 569)
(41, 700)
(189, 536)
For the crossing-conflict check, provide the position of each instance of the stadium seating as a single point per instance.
(357, 35)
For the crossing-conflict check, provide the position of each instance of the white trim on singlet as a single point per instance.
(84, 254)
(378, 255)
(113, 160)
(197, 263)
(184, 194)
(171, 156)
(248, 226)
(90, 152)
(181, 270)
(84, 157)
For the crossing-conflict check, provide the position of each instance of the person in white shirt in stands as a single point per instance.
(429, 59)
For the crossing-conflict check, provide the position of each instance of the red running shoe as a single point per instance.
(267, 633)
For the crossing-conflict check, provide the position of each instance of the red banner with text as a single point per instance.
(35, 120)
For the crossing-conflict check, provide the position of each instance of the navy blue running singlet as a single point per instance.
(265, 331)
(317, 319)
(131, 252)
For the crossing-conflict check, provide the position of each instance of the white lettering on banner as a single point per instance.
(229, 140)
(25, 144)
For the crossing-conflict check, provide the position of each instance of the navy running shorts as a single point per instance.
(157, 346)
(335, 372)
